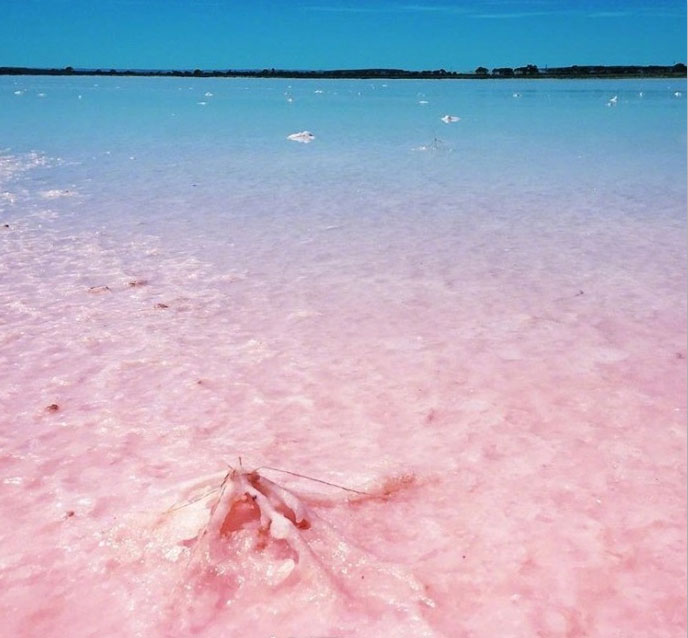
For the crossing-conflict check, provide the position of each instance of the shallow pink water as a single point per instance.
(510, 394)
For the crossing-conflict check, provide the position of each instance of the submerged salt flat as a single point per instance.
(487, 338)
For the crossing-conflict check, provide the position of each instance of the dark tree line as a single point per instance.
(528, 71)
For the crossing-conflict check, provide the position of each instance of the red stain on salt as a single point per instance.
(243, 513)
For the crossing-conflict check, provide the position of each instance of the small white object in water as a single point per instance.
(19, 92)
(516, 95)
(422, 102)
(436, 145)
(41, 95)
(305, 137)
(678, 94)
(201, 103)
(317, 91)
(55, 193)
(208, 94)
(640, 94)
(447, 119)
(614, 100)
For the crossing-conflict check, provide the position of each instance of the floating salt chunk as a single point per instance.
(201, 103)
(208, 94)
(317, 91)
(613, 101)
(678, 94)
(447, 119)
(423, 102)
(41, 95)
(640, 94)
(305, 137)
(19, 92)
(516, 95)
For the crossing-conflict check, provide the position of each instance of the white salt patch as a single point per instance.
(516, 95)
(208, 94)
(678, 94)
(423, 102)
(447, 119)
(317, 91)
(201, 103)
(280, 527)
(278, 573)
(13, 480)
(305, 137)
(56, 193)
(12, 165)
(41, 95)
(173, 553)
(19, 92)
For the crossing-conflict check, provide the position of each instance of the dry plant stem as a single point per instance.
(310, 478)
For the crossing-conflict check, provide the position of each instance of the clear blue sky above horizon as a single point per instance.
(327, 34)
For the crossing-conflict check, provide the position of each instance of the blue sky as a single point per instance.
(327, 34)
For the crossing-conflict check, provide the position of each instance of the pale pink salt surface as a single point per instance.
(513, 396)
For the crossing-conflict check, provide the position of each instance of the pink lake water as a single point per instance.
(478, 327)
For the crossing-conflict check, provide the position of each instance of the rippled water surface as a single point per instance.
(478, 326)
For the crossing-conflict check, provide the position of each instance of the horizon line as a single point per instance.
(324, 70)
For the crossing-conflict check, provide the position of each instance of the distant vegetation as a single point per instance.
(528, 71)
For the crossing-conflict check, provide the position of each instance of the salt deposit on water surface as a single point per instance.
(478, 351)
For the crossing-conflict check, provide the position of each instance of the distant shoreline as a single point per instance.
(530, 72)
